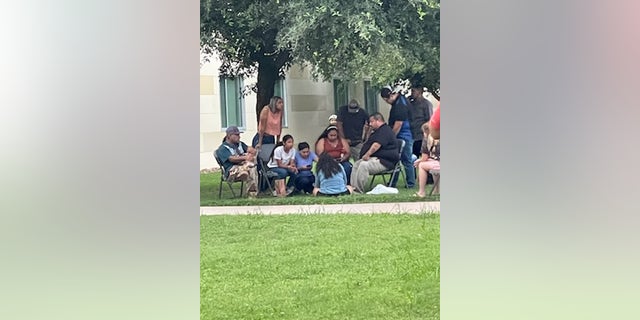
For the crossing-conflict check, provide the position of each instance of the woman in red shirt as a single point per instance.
(338, 148)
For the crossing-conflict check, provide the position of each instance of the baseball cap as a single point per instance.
(386, 91)
(233, 130)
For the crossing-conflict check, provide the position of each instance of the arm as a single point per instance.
(340, 129)
(396, 127)
(345, 149)
(262, 125)
(374, 147)
(434, 124)
(237, 159)
(366, 131)
(320, 146)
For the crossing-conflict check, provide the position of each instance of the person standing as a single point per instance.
(353, 126)
(421, 110)
(270, 123)
(400, 122)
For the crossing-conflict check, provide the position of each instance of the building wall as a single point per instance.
(308, 104)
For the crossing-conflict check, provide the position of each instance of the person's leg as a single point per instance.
(347, 166)
(308, 187)
(291, 182)
(361, 171)
(279, 181)
(304, 183)
(358, 179)
(423, 170)
(417, 148)
(251, 180)
(350, 188)
(422, 179)
(315, 191)
(355, 152)
(409, 171)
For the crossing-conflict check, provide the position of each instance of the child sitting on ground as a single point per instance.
(331, 178)
(304, 161)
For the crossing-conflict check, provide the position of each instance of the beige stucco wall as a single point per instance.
(308, 103)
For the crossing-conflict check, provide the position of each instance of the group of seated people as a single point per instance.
(334, 174)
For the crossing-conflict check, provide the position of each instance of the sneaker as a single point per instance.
(275, 194)
(290, 190)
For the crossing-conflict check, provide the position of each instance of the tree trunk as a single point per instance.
(267, 77)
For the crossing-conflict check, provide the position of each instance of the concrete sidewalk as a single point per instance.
(354, 208)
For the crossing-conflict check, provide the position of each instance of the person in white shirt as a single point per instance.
(283, 164)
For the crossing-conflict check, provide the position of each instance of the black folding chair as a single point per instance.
(265, 176)
(397, 169)
(223, 179)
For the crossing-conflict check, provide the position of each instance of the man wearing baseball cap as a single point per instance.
(353, 125)
(238, 160)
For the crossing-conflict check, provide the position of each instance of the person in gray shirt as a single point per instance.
(421, 110)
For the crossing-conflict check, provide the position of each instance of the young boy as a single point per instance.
(304, 161)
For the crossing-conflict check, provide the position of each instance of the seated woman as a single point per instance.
(283, 164)
(425, 163)
(338, 148)
(331, 180)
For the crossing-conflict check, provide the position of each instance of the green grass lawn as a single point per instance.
(209, 183)
(383, 266)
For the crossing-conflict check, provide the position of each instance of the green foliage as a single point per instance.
(386, 40)
(383, 266)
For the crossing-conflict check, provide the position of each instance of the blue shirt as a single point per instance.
(334, 185)
(302, 162)
(400, 112)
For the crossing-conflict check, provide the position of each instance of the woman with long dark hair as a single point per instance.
(338, 148)
(270, 123)
(283, 164)
(331, 178)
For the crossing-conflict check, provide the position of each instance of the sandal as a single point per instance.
(417, 195)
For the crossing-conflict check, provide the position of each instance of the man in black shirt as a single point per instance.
(421, 110)
(379, 153)
(352, 123)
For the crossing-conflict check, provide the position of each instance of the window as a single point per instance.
(231, 102)
(340, 94)
(281, 90)
(370, 98)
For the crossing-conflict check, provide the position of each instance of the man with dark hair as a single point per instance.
(352, 125)
(379, 153)
(238, 160)
(400, 122)
(421, 110)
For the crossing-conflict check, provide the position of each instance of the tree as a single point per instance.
(386, 40)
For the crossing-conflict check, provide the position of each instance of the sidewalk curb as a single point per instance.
(362, 208)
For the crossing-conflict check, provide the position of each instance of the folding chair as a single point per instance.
(222, 179)
(397, 169)
(436, 181)
(264, 175)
